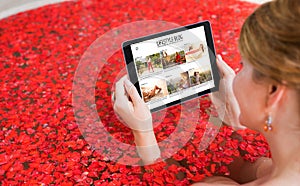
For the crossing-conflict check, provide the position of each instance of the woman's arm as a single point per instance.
(146, 146)
(136, 115)
(132, 109)
(224, 100)
(240, 170)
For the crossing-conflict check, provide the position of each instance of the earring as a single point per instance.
(267, 126)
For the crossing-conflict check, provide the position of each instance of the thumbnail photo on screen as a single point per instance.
(194, 51)
(178, 82)
(153, 89)
(148, 64)
(198, 76)
(172, 59)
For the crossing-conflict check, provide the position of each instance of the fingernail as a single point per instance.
(127, 83)
(219, 57)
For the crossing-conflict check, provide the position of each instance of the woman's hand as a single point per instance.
(226, 96)
(131, 108)
(136, 114)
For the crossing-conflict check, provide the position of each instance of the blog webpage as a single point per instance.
(173, 67)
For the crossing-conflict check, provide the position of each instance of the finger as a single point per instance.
(132, 92)
(120, 91)
(213, 96)
(223, 67)
(121, 102)
(220, 94)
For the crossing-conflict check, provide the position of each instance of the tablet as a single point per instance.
(173, 66)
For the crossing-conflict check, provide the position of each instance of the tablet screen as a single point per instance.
(173, 67)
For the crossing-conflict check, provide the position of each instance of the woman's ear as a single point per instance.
(276, 93)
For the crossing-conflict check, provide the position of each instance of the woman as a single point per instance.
(196, 78)
(184, 81)
(178, 58)
(149, 64)
(270, 47)
(148, 94)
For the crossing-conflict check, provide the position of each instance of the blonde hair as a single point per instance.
(270, 42)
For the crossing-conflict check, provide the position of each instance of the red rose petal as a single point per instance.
(40, 141)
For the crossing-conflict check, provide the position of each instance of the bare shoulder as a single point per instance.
(217, 181)
(282, 181)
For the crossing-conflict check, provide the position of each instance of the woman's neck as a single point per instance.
(285, 149)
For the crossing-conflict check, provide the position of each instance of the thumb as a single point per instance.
(224, 68)
(132, 92)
